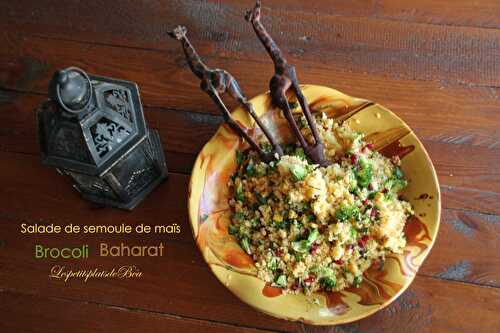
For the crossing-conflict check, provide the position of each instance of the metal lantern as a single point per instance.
(92, 129)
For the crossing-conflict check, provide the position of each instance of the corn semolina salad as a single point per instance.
(311, 228)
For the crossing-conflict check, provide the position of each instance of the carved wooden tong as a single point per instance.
(216, 82)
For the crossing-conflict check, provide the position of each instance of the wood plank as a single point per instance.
(476, 233)
(464, 163)
(179, 283)
(465, 249)
(435, 110)
(440, 12)
(367, 45)
(468, 199)
(174, 284)
(485, 13)
(28, 313)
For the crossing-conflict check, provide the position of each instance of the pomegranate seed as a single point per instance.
(370, 186)
(279, 252)
(385, 190)
(365, 202)
(368, 146)
(363, 240)
(354, 159)
(373, 213)
(339, 262)
(310, 279)
(314, 248)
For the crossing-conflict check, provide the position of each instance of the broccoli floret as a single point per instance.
(345, 213)
(328, 282)
(303, 246)
(364, 174)
(299, 172)
(396, 182)
(326, 276)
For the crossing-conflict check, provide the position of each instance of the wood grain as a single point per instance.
(476, 233)
(434, 62)
(172, 285)
(465, 164)
(436, 110)
(24, 310)
(380, 47)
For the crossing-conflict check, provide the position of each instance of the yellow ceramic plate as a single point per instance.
(209, 211)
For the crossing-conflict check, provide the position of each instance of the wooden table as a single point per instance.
(435, 63)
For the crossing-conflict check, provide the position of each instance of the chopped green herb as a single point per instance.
(232, 229)
(357, 281)
(398, 173)
(302, 122)
(261, 170)
(250, 170)
(299, 152)
(239, 193)
(239, 157)
(260, 198)
(266, 147)
(204, 217)
(293, 104)
(354, 233)
(311, 217)
(285, 224)
(245, 245)
(239, 216)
